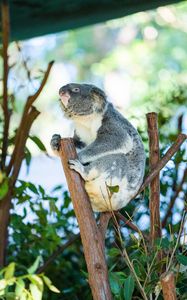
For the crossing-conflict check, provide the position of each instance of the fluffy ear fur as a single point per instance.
(99, 98)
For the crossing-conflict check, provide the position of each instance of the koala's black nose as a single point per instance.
(62, 90)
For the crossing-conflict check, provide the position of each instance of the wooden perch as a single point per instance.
(91, 236)
(168, 286)
(154, 157)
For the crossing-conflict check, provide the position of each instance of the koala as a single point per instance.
(110, 150)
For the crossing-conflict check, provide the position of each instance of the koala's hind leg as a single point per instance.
(85, 171)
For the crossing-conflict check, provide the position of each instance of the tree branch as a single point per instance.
(168, 286)
(23, 122)
(154, 156)
(126, 221)
(91, 236)
(6, 112)
(5, 203)
(163, 161)
(60, 249)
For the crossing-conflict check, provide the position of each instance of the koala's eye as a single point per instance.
(76, 90)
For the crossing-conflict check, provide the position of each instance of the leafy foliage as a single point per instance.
(41, 222)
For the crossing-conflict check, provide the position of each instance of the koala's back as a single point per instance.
(118, 160)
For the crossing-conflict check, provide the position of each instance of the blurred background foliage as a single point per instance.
(141, 63)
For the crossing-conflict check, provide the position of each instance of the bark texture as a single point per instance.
(91, 236)
(154, 157)
(168, 286)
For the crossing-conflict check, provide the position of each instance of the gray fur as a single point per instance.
(116, 152)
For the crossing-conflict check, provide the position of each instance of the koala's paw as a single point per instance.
(76, 165)
(55, 142)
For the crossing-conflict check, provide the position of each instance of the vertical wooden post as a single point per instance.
(154, 157)
(91, 236)
(168, 286)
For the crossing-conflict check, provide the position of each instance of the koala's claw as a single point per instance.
(76, 165)
(55, 142)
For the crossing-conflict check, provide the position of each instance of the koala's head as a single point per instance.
(81, 99)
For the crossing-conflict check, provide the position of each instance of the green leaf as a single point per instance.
(33, 188)
(20, 285)
(42, 191)
(9, 271)
(28, 158)
(36, 280)
(38, 142)
(182, 259)
(54, 289)
(113, 189)
(35, 265)
(3, 188)
(23, 296)
(114, 283)
(50, 285)
(114, 252)
(35, 291)
(128, 288)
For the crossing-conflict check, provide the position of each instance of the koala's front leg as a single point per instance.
(86, 172)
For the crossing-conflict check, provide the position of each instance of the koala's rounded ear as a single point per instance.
(98, 92)
(99, 98)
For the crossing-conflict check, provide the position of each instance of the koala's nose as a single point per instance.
(64, 96)
(62, 91)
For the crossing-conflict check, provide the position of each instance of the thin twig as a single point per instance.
(126, 221)
(163, 161)
(29, 103)
(57, 252)
(131, 267)
(173, 199)
(177, 241)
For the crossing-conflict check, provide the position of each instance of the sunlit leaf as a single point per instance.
(35, 265)
(20, 285)
(36, 280)
(3, 284)
(35, 291)
(9, 272)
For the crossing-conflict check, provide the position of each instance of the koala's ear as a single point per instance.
(99, 98)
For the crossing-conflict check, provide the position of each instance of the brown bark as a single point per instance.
(26, 112)
(6, 112)
(168, 286)
(154, 202)
(5, 203)
(91, 236)
(126, 221)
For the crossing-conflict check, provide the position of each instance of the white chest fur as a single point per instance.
(86, 127)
